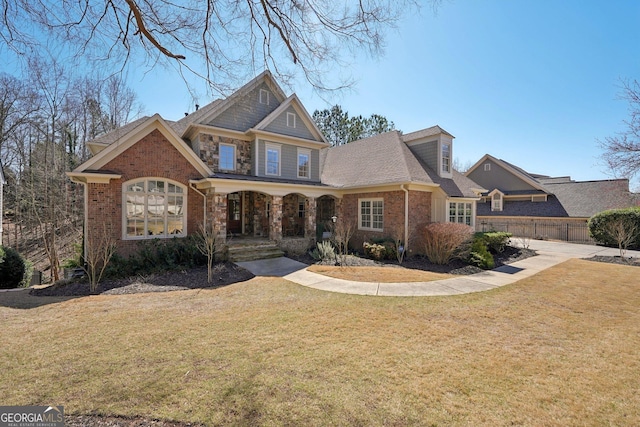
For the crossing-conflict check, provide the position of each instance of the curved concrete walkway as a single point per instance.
(549, 254)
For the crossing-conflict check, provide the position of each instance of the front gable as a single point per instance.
(291, 119)
(155, 125)
(492, 173)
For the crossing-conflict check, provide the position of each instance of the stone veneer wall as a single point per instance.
(210, 152)
(152, 156)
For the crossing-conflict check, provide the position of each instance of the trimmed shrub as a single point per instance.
(12, 268)
(602, 225)
(443, 239)
(380, 249)
(496, 241)
(480, 255)
(158, 255)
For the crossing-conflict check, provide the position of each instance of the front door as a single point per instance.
(234, 213)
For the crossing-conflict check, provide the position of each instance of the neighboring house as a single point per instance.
(255, 165)
(539, 205)
(2, 183)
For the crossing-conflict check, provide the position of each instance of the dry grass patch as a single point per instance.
(378, 274)
(559, 348)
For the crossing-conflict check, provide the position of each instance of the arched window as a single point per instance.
(154, 208)
(496, 201)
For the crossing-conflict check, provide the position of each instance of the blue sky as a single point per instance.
(535, 83)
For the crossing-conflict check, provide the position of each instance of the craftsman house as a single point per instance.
(256, 166)
(542, 206)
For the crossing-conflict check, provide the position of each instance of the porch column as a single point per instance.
(310, 220)
(275, 216)
(219, 213)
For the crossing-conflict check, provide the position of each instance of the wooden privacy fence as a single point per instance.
(568, 231)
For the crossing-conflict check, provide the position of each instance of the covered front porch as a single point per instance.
(291, 216)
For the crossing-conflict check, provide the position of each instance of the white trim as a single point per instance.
(291, 120)
(461, 201)
(278, 148)
(144, 193)
(499, 206)
(445, 167)
(233, 148)
(487, 167)
(264, 97)
(304, 152)
(371, 227)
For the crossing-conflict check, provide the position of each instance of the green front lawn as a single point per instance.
(559, 348)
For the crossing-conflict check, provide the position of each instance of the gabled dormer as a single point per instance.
(434, 146)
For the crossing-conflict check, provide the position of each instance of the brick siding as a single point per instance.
(159, 159)
(393, 211)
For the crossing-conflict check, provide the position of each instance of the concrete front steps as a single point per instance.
(241, 250)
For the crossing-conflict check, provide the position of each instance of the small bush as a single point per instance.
(380, 249)
(12, 268)
(480, 255)
(324, 252)
(496, 241)
(602, 224)
(157, 255)
(443, 239)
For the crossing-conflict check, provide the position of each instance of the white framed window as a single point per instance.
(487, 167)
(264, 97)
(371, 214)
(304, 163)
(446, 158)
(291, 120)
(461, 212)
(227, 157)
(154, 207)
(272, 159)
(496, 201)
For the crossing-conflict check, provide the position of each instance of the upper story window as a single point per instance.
(227, 157)
(264, 96)
(487, 167)
(371, 214)
(461, 212)
(446, 158)
(154, 208)
(304, 161)
(291, 120)
(272, 159)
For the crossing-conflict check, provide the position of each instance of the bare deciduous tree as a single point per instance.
(624, 232)
(100, 246)
(221, 41)
(207, 243)
(341, 233)
(622, 151)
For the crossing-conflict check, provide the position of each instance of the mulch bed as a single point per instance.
(634, 262)
(195, 278)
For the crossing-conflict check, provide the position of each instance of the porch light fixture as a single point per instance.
(334, 218)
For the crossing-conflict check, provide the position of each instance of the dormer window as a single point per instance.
(496, 201)
(446, 158)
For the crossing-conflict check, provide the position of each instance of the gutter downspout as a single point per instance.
(406, 217)
(204, 202)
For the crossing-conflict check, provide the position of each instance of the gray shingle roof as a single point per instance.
(181, 125)
(433, 130)
(385, 159)
(570, 199)
(586, 198)
(111, 137)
